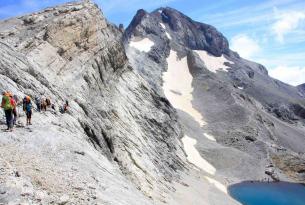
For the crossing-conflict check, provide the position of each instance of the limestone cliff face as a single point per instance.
(71, 52)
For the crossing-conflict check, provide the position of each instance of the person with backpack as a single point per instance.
(27, 107)
(48, 101)
(43, 105)
(8, 110)
(64, 108)
(14, 104)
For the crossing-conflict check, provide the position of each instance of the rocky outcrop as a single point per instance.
(292, 165)
(71, 52)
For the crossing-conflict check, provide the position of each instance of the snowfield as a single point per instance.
(178, 79)
(177, 87)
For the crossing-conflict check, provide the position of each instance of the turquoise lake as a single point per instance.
(263, 193)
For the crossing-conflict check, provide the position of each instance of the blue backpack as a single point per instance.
(28, 106)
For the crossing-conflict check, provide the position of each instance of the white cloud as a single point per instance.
(287, 22)
(291, 75)
(245, 46)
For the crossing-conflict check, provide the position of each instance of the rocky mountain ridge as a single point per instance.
(126, 138)
(116, 121)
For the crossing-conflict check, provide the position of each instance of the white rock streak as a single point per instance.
(143, 45)
(213, 63)
(163, 26)
(168, 36)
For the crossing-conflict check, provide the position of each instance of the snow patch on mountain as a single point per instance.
(194, 157)
(178, 79)
(178, 89)
(143, 45)
(217, 184)
(210, 137)
(213, 63)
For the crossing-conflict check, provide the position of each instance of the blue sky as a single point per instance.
(271, 32)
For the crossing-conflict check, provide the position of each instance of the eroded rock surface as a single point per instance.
(119, 143)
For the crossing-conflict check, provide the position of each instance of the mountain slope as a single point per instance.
(164, 113)
(301, 88)
(119, 143)
(257, 121)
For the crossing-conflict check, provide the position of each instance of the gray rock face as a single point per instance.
(127, 133)
(254, 118)
(188, 33)
(302, 89)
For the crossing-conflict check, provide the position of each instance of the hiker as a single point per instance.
(38, 103)
(48, 101)
(8, 110)
(43, 105)
(14, 104)
(27, 107)
(16, 99)
(64, 108)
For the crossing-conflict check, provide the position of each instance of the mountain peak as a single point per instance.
(187, 32)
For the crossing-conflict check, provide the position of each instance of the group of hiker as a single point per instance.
(43, 103)
(10, 102)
